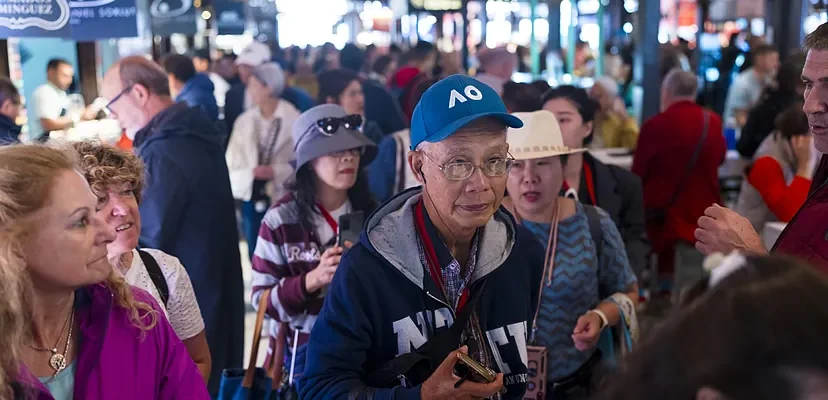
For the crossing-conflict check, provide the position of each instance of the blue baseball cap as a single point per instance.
(453, 103)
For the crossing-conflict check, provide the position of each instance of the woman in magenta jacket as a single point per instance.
(88, 335)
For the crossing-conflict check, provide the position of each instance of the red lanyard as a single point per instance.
(331, 221)
(431, 256)
(589, 182)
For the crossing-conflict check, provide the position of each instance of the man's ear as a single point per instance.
(140, 94)
(590, 129)
(415, 162)
(707, 393)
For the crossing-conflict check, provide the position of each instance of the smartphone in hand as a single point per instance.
(350, 227)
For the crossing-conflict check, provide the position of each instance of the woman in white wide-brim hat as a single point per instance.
(587, 278)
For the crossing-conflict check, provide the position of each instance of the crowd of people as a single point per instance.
(413, 232)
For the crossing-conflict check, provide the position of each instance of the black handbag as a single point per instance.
(658, 216)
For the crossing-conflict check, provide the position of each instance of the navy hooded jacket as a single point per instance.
(382, 303)
(199, 92)
(9, 131)
(187, 210)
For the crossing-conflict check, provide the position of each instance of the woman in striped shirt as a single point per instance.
(297, 252)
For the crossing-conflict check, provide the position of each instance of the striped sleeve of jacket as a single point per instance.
(284, 255)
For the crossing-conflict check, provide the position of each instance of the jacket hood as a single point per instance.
(178, 120)
(390, 233)
(199, 82)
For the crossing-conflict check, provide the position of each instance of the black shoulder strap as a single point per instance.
(594, 221)
(156, 275)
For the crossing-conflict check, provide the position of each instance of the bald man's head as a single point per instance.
(137, 89)
(678, 86)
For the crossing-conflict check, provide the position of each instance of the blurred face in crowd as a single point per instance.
(11, 108)
(602, 96)
(573, 128)
(67, 247)
(226, 67)
(337, 170)
(245, 72)
(201, 65)
(767, 63)
(815, 76)
(469, 203)
(118, 207)
(259, 93)
(127, 105)
(352, 99)
(61, 76)
(534, 184)
(175, 85)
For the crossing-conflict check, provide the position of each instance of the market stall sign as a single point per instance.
(173, 16)
(436, 5)
(34, 18)
(230, 17)
(103, 19)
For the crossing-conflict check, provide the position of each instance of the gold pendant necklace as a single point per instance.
(58, 360)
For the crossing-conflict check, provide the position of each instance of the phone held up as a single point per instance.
(350, 227)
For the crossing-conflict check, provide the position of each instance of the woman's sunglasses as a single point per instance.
(330, 125)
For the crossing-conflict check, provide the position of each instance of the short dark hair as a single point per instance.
(587, 107)
(789, 76)
(8, 91)
(352, 57)
(332, 83)
(763, 49)
(420, 52)
(792, 121)
(203, 54)
(816, 40)
(179, 66)
(55, 63)
(381, 64)
(521, 97)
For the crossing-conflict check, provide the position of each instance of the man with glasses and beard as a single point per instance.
(439, 270)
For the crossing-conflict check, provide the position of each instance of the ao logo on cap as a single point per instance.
(470, 91)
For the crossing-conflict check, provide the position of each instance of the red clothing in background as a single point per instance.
(806, 236)
(665, 147)
(782, 199)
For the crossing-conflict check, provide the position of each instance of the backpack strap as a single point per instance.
(594, 221)
(156, 275)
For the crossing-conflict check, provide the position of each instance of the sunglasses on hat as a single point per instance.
(330, 125)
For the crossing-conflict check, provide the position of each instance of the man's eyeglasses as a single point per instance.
(330, 125)
(108, 106)
(462, 170)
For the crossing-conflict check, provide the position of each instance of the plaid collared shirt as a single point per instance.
(453, 282)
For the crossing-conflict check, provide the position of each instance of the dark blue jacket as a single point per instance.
(9, 131)
(382, 303)
(188, 211)
(382, 108)
(198, 92)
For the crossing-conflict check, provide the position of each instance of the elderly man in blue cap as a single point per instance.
(440, 270)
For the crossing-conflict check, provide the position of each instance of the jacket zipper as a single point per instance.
(451, 310)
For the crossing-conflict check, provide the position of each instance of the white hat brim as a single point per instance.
(531, 155)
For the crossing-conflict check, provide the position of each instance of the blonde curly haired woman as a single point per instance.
(88, 334)
(116, 177)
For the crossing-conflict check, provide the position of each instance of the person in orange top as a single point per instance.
(778, 182)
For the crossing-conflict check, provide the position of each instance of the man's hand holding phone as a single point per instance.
(443, 383)
(322, 275)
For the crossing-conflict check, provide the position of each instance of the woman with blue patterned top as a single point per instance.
(585, 264)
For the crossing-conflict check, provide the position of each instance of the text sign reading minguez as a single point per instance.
(103, 19)
(34, 18)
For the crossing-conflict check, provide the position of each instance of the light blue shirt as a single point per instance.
(63, 385)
